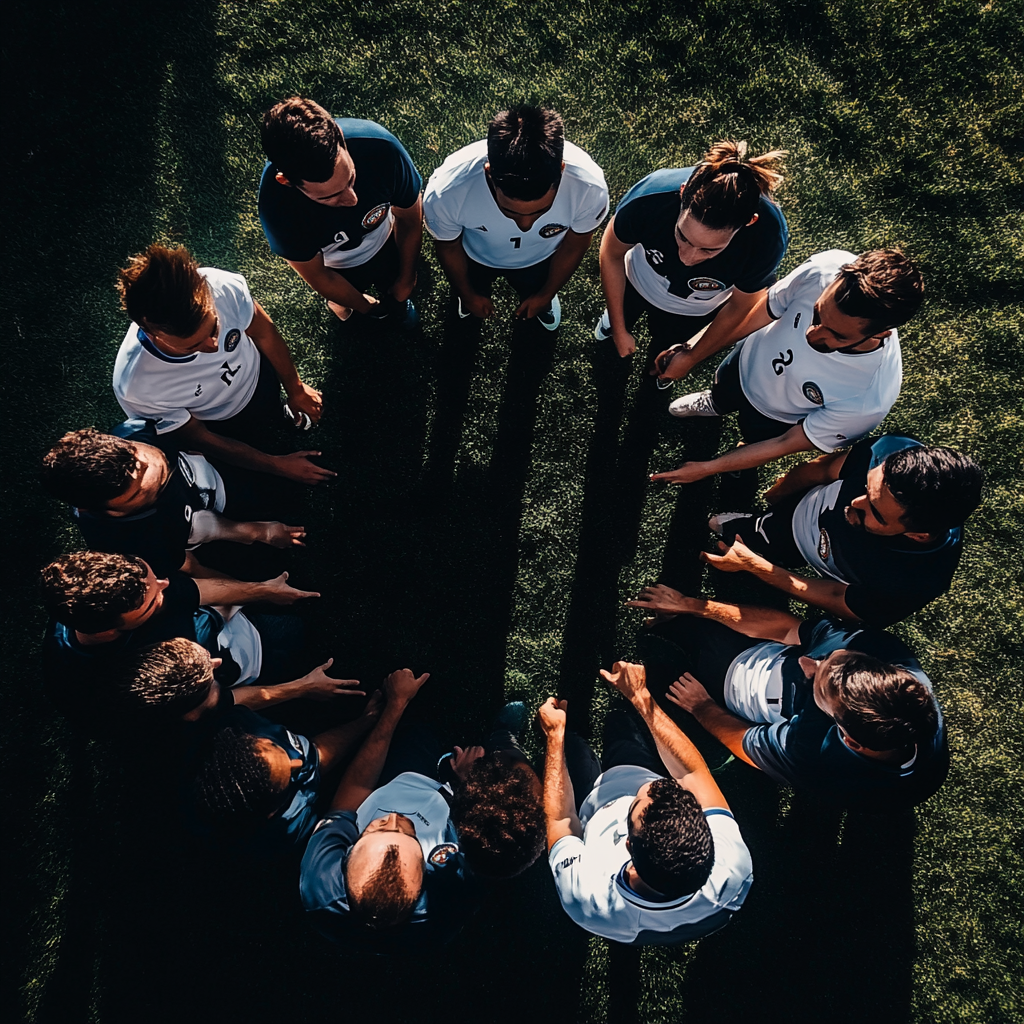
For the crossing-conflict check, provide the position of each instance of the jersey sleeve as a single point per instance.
(630, 220)
(232, 296)
(840, 424)
(566, 861)
(321, 880)
(784, 750)
(784, 292)
(407, 182)
(441, 210)
(166, 418)
(592, 210)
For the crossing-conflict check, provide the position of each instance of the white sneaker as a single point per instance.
(718, 522)
(697, 404)
(603, 330)
(462, 315)
(553, 317)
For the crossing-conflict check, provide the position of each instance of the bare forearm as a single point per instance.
(256, 697)
(566, 259)
(675, 748)
(830, 595)
(559, 799)
(267, 338)
(332, 285)
(455, 265)
(724, 726)
(748, 456)
(408, 238)
(362, 774)
(741, 315)
(760, 623)
(613, 277)
(194, 435)
(813, 473)
(225, 590)
(335, 743)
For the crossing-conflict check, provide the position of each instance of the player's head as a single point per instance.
(882, 287)
(878, 707)
(919, 492)
(308, 151)
(722, 196)
(242, 780)
(499, 817)
(98, 471)
(164, 293)
(168, 681)
(669, 839)
(384, 873)
(96, 593)
(524, 159)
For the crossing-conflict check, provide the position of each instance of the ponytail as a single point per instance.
(726, 187)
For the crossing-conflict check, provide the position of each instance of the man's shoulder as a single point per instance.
(661, 185)
(581, 167)
(459, 171)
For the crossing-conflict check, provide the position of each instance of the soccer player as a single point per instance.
(339, 201)
(845, 712)
(205, 363)
(521, 204)
(882, 523)
(383, 871)
(819, 365)
(690, 247)
(129, 497)
(683, 869)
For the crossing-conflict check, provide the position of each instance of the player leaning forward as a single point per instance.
(205, 363)
(521, 204)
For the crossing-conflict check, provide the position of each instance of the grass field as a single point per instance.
(488, 520)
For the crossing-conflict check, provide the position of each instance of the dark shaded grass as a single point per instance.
(490, 512)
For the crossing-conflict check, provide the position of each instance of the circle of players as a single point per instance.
(398, 835)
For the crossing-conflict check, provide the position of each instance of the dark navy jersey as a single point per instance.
(889, 577)
(297, 227)
(647, 217)
(808, 752)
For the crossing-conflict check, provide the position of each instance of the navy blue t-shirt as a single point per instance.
(807, 750)
(648, 213)
(297, 227)
(889, 577)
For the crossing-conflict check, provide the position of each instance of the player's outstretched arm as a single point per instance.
(613, 281)
(408, 237)
(228, 591)
(747, 456)
(315, 685)
(332, 285)
(361, 776)
(726, 727)
(559, 799)
(267, 338)
(822, 470)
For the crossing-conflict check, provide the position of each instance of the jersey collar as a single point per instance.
(630, 896)
(150, 346)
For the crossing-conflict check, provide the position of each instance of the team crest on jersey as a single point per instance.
(550, 230)
(655, 257)
(440, 855)
(231, 339)
(824, 546)
(705, 284)
(813, 393)
(375, 216)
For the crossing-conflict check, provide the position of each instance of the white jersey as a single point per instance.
(807, 534)
(458, 202)
(420, 800)
(840, 396)
(753, 683)
(589, 872)
(149, 384)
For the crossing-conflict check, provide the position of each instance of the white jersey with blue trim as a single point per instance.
(149, 384)
(590, 879)
(839, 396)
(458, 202)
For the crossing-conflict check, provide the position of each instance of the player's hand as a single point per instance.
(298, 467)
(673, 364)
(687, 473)
(630, 680)
(402, 685)
(659, 598)
(688, 693)
(479, 305)
(464, 760)
(624, 342)
(735, 557)
(280, 535)
(552, 717)
(531, 306)
(277, 591)
(402, 288)
(317, 685)
(304, 399)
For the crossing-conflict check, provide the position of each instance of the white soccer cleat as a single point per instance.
(697, 404)
(718, 522)
(552, 317)
(603, 330)
(462, 315)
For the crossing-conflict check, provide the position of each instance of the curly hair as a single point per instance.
(301, 140)
(499, 817)
(725, 188)
(87, 469)
(524, 151)
(883, 287)
(165, 680)
(162, 288)
(90, 591)
(672, 847)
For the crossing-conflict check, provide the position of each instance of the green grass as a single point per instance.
(129, 123)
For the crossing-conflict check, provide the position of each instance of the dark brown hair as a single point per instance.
(90, 591)
(301, 140)
(882, 286)
(165, 680)
(87, 469)
(938, 488)
(384, 902)
(162, 289)
(725, 188)
(524, 151)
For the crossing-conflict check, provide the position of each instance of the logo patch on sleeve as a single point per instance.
(550, 230)
(655, 257)
(375, 216)
(824, 546)
(706, 284)
(813, 393)
(231, 339)
(440, 855)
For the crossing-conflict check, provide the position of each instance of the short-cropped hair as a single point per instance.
(162, 288)
(672, 848)
(384, 902)
(87, 469)
(882, 286)
(90, 591)
(524, 151)
(164, 681)
(499, 817)
(881, 706)
(301, 140)
(938, 488)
